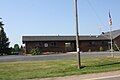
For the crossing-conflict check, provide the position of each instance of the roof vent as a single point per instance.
(103, 33)
(90, 35)
(97, 36)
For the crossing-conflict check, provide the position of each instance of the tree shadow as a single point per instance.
(82, 67)
(106, 64)
(100, 65)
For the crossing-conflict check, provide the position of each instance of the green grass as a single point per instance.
(42, 69)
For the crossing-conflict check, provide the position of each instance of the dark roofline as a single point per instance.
(114, 34)
(105, 36)
(61, 38)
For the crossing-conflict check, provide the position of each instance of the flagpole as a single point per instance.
(110, 23)
(111, 50)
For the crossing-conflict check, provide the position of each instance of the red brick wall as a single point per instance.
(117, 41)
(59, 47)
(93, 45)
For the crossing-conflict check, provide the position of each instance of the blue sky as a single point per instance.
(53, 17)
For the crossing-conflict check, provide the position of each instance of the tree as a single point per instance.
(101, 48)
(4, 41)
(16, 49)
(35, 51)
(22, 49)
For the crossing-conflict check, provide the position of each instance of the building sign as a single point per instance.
(46, 45)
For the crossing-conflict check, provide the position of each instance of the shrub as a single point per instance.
(115, 48)
(89, 50)
(35, 51)
(101, 49)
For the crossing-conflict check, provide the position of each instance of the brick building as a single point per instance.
(68, 43)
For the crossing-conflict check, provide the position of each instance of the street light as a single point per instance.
(77, 35)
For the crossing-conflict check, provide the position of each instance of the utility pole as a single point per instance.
(77, 35)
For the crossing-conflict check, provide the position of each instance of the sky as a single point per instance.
(56, 17)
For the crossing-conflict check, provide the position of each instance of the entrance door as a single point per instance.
(69, 46)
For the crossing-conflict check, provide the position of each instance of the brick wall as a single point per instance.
(66, 46)
(117, 41)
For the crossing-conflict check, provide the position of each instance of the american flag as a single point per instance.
(110, 22)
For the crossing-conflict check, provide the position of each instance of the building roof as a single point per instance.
(114, 34)
(61, 38)
(103, 36)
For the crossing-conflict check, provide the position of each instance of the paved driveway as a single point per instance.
(14, 58)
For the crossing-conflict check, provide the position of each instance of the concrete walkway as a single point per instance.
(94, 76)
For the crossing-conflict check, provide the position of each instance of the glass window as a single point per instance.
(36, 44)
(92, 43)
(41, 44)
(53, 44)
(68, 44)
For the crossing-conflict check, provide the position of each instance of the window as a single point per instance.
(72, 44)
(104, 43)
(53, 44)
(41, 44)
(92, 43)
(36, 44)
(68, 44)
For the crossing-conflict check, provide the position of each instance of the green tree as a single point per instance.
(101, 48)
(115, 48)
(35, 51)
(16, 49)
(4, 41)
(22, 49)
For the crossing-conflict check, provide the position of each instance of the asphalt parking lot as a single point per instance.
(14, 58)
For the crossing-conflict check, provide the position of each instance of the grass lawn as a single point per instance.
(42, 69)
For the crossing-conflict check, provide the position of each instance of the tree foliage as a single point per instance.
(22, 49)
(35, 51)
(16, 48)
(101, 48)
(4, 41)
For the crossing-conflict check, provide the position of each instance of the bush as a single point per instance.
(115, 48)
(101, 49)
(89, 50)
(35, 51)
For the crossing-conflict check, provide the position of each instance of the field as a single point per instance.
(53, 68)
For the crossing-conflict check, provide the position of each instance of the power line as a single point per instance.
(96, 14)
